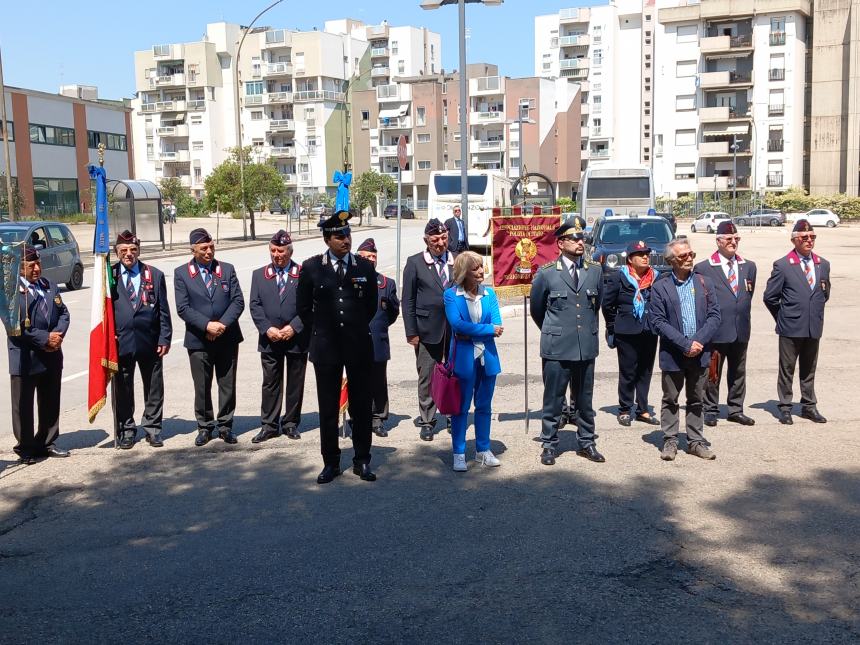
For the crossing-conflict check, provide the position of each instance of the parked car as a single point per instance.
(816, 217)
(61, 257)
(709, 221)
(760, 217)
(277, 206)
(391, 211)
(608, 239)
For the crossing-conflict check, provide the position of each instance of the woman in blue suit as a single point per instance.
(473, 313)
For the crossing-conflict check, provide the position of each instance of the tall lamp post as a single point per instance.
(4, 127)
(464, 98)
(239, 119)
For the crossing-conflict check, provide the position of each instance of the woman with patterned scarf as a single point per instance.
(625, 309)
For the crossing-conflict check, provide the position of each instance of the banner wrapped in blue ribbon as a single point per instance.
(101, 241)
(343, 180)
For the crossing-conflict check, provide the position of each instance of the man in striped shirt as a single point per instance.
(685, 314)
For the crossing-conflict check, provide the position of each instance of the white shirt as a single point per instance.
(473, 304)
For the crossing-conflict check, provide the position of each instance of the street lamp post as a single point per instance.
(734, 147)
(4, 130)
(464, 97)
(239, 121)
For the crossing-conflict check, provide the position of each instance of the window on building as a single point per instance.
(254, 88)
(52, 135)
(312, 145)
(597, 56)
(456, 164)
(684, 68)
(10, 127)
(685, 102)
(198, 175)
(687, 33)
(394, 47)
(685, 137)
(256, 115)
(658, 145)
(456, 136)
(421, 115)
(196, 119)
(424, 137)
(776, 102)
(423, 165)
(197, 145)
(365, 119)
(401, 67)
(56, 196)
(777, 24)
(685, 171)
(432, 51)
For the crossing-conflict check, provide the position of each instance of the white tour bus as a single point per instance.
(625, 190)
(487, 189)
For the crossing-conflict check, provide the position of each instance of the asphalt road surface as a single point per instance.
(237, 544)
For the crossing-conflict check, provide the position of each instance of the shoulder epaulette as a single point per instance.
(548, 265)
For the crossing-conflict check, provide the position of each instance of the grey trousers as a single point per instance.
(557, 377)
(152, 375)
(692, 380)
(426, 356)
(792, 351)
(735, 354)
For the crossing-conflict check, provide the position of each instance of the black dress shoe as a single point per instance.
(651, 421)
(203, 437)
(547, 457)
(711, 420)
(328, 474)
(53, 451)
(785, 418)
(292, 432)
(227, 436)
(813, 415)
(154, 440)
(379, 431)
(126, 439)
(27, 460)
(590, 453)
(363, 471)
(264, 435)
(624, 419)
(426, 433)
(740, 417)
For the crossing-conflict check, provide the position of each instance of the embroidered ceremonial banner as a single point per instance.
(10, 270)
(521, 244)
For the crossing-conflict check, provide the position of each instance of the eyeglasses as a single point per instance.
(571, 238)
(730, 238)
(683, 257)
(810, 237)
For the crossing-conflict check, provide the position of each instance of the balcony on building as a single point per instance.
(487, 145)
(574, 40)
(380, 71)
(722, 113)
(408, 175)
(724, 179)
(599, 153)
(777, 38)
(777, 109)
(390, 92)
(485, 114)
(583, 132)
(281, 125)
(721, 42)
(724, 148)
(271, 98)
(277, 69)
(716, 80)
(282, 151)
(725, 130)
(776, 74)
(167, 80)
(377, 32)
(379, 52)
(392, 120)
(168, 52)
(573, 64)
(277, 38)
(576, 14)
(317, 95)
(391, 150)
(170, 106)
(774, 179)
(486, 85)
(585, 109)
(174, 156)
(775, 145)
(178, 130)
(196, 105)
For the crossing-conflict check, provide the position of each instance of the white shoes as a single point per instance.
(487, 458)
(460, 463)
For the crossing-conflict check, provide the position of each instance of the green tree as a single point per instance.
(567, 205)
(223, 186)
(172, 189)
(17, 200)
(368, 186)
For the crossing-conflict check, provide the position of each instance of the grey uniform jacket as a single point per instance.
(568, 318)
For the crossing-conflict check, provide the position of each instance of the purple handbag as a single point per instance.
(445, 386)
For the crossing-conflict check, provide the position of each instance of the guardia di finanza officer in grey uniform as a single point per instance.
(282, 340)
(209, 300)
(565, 304)
(143, 331)
(337, 299)
(36, 362)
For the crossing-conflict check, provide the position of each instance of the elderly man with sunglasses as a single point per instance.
(795, 295)
(734, 280)
(686, 316)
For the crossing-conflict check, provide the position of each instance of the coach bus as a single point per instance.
(624, 190)
(487, 189)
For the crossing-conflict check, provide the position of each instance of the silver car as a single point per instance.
(61, 257)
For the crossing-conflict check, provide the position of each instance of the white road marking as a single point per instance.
(72, 377)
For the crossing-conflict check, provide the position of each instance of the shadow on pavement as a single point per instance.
(243, 546)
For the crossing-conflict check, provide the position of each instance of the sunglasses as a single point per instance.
(683, 257)
(807, 238)
(571, 238)
(730, 238)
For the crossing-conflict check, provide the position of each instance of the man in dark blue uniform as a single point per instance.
(209, 300)
(565, 305)
(796, 293)
(457, 232)
(386, 313)
(282, 340)
(143, 330)
(734, 283)
(337, 299)
(36, 362)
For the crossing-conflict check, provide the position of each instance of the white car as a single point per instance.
(816, 217)
(708, 221)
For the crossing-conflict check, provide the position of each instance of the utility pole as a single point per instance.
(734, 174)
(4, 128)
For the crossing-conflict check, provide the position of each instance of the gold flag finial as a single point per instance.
(101, 154)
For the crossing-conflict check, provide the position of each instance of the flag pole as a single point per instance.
(101, 150)
(526, 356)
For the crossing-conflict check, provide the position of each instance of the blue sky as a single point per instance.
(46, 43)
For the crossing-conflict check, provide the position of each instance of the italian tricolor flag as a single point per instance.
(104, 356)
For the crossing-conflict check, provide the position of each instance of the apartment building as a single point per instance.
(293, 91)
(730, 107)
(425, 110)
(53, 137)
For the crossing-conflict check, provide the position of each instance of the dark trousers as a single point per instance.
(25, 390)
(636, 353)
(735, 354)
(329, 377)
(790, 351)
(221, 362)
(426, 356)
(273, 390)
(691, 379)
(379, 387)
(152, 375)
(557, 376)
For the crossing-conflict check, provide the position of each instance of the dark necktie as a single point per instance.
(443, 275)
(574, 271)
(39, 300)
(207, 280)
(129, 288)
(282, 285)
(340, 271)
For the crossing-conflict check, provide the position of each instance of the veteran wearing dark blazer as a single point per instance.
(36, 362)
(457, 242)
(796, 293)
(209, 300)
(283, 340)
(425, 278)
(144, 332)
(337, 299)
(734, 279)
(388, 309)
(685, 314)
(565, 305)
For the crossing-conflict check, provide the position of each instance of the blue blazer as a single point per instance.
(27, 355)
(664, 316)
(465, 331)
(797, 309)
